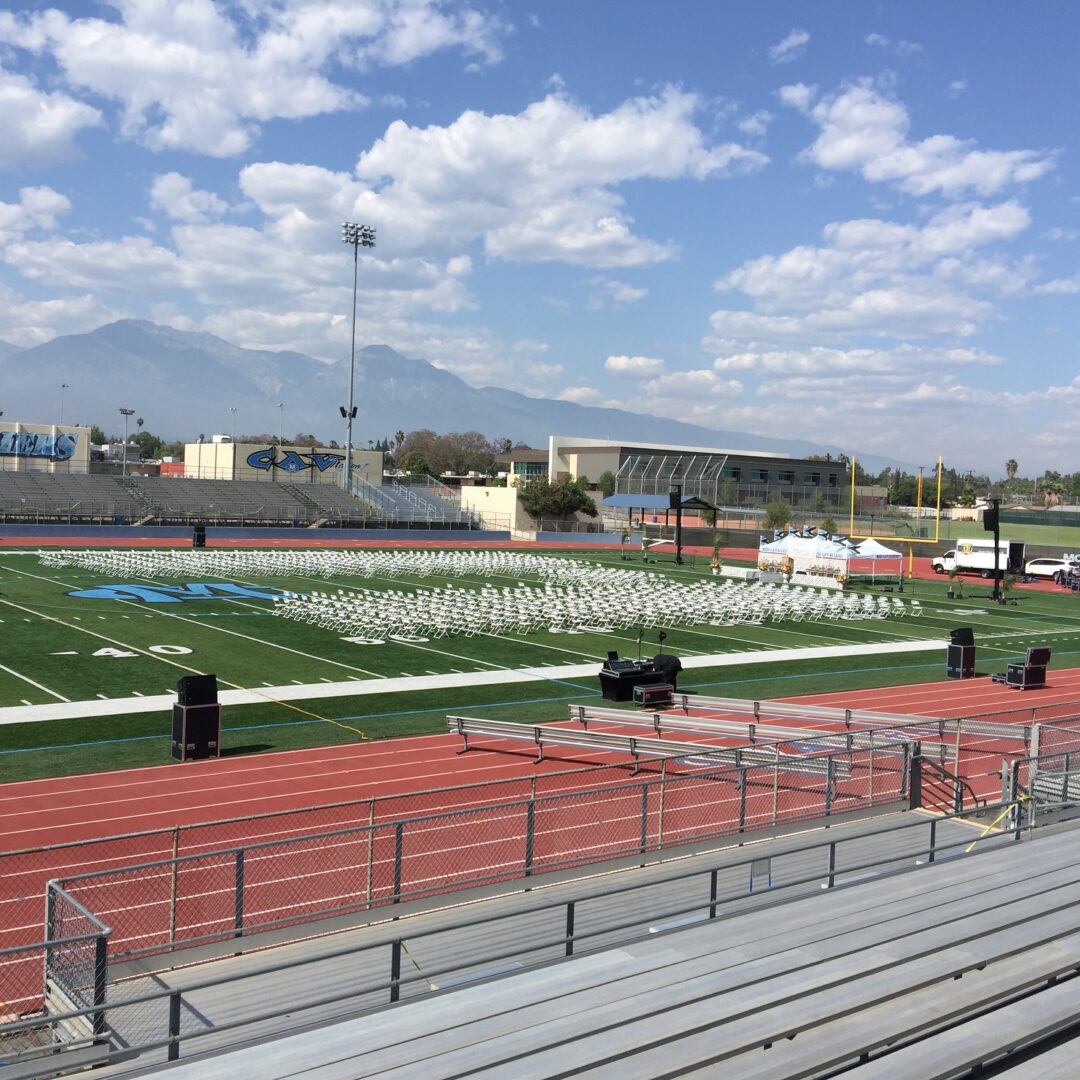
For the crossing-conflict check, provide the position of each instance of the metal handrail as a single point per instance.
(567, 940)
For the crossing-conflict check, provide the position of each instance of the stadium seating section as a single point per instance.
(100, 499)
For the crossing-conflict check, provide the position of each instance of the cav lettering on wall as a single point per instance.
(291, 461)
(31, 444)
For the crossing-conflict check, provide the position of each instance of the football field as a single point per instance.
(80, 634)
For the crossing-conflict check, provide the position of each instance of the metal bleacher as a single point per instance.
(107, 499)
(918, 968)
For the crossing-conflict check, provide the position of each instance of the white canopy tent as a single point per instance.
(817, 555)
(879, 558)
(823, 556)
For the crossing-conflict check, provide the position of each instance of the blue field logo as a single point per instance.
(177, 594)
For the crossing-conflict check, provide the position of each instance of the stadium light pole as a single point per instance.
(125, 413)
(281, 423)
(63, 386)
(358, 236)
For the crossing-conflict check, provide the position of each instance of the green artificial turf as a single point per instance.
(51, 638)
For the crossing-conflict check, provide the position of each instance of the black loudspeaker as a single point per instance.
(196, 732)
(990, 519)
(197, 690)
(674, 500)
(198, 537)
(961, 659)
(962, 635)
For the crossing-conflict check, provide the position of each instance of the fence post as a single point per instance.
(569, 927)
(742, 798)
(660, 811)
(713, 882)
(399, 846)
(173, 883)
(370, 851)
(915, 779)
(530, 835)
(100, 969)
(775, 790)
(933, 838)
(238, 895)
(174, 1025)
(395, 969)
(829, 767)
(832, 863)
(872, 756)
(644, 818)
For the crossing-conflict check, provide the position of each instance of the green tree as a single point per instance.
(777, 514)
(559, 499)
(606, 483)
(829, 525)
(97, 436)
(1010, 469)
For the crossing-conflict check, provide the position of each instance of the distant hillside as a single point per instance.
(186, 384)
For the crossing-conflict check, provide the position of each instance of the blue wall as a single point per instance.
(169, 532)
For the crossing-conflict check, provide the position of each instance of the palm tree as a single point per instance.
(1010, 469)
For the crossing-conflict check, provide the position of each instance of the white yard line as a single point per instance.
(27, 679)
(207, 626)
(22, 714)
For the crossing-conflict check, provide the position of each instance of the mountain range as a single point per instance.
(189, 383)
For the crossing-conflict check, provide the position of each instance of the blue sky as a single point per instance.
(852, 223)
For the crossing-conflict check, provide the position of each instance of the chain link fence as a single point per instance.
(207, 898)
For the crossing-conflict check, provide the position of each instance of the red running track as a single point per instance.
(404, 777)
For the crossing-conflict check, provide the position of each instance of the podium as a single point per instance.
(960, 663)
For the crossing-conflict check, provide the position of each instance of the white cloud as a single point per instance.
(877, 277)
(38, 128)
(1058, 234)
(797, 96)
(639, 367)
(900, 48)
(756, 124)
(790, 48)
(37, 208)
(1060, 286)
(609, 293)
(28, 322)
(175, 196)
(196, 76)
(581, 395)
(865, 130)
(537, 186)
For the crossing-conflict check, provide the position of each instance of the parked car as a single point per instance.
(1048, 568)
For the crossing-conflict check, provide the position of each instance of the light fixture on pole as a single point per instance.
(358, 236)
(63, 386)
(125, 413)
(232, 422)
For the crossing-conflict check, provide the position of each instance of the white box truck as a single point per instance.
(977, 557)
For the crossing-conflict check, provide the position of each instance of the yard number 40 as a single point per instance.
(166, 650)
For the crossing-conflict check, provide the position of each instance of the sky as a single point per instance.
(852, 223)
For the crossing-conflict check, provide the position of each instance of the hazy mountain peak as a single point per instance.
(186, 382)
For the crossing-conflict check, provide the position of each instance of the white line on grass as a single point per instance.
(27, 679)
(219, 629)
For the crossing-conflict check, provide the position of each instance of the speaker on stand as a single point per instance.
(196, 719)
(198, 537)
(961, 659)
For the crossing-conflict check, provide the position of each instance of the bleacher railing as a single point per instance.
(177, 903)
(603, 915)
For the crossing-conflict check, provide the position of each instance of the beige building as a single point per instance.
(268, 463)
(51, 448)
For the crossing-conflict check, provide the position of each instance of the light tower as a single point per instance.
(358, 236)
